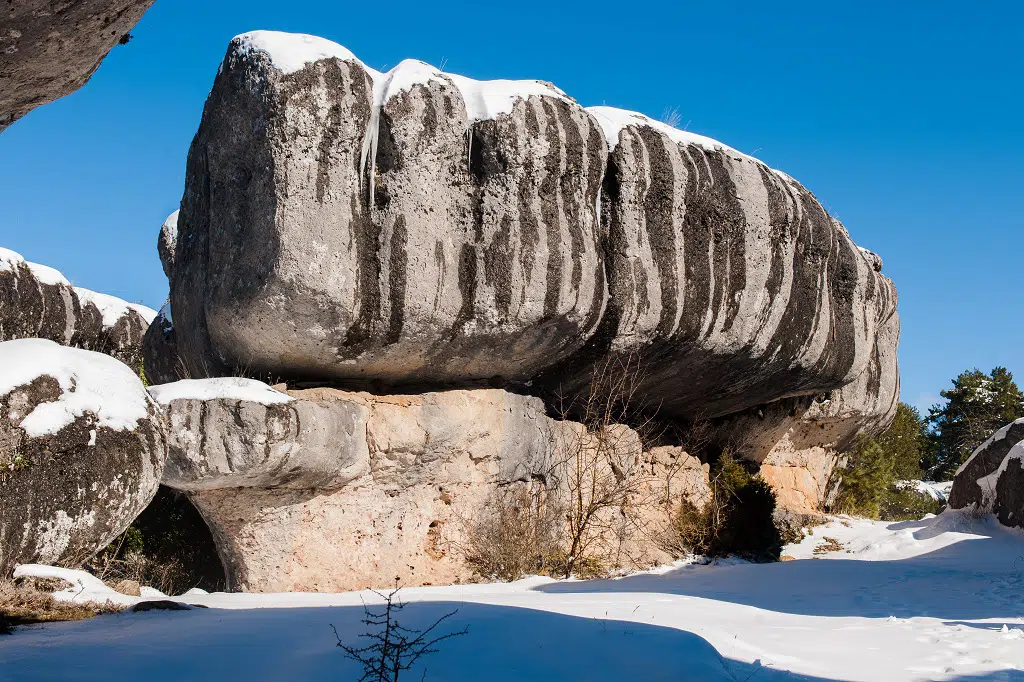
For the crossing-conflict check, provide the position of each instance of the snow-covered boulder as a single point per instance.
(37, 301)
(51, 49)
(82, 451)
(992, 479)
(409, 226)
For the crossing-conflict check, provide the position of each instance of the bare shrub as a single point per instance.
(597, 462)
(518, 534)
(393, 648)
(166, 576)
(23, 603)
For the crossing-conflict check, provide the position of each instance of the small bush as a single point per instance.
(516, 536)
(738, 519)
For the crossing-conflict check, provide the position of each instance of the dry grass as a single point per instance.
(25, 603)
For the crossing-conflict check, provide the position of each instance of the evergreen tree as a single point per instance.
(904, 443)
(865, 479)
(977, 405)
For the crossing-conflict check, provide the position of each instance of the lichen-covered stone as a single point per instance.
(38, 302)
(82, 451)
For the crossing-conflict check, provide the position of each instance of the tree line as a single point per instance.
(931, 447)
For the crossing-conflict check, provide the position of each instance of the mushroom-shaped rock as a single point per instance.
(327, 490)
(37, 301)
(413, 226)
(82, 451)
(992, 478)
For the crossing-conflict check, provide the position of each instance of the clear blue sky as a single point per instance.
(905, 118)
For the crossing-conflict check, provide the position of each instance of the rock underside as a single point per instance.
(50, 48)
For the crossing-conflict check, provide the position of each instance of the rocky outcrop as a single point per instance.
(322, 489)
(330, 490)
(50, 48)
(417, 231)
(160, 352)
(992, 479)
(82, 452)
(414, 227)
(37, 301)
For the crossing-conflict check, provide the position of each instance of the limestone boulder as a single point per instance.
(82, 451)
(992, 479)
(37, 301)
(323, 490)
(51, 48)
(414, 227)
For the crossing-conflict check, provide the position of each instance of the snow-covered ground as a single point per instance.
(938, 599)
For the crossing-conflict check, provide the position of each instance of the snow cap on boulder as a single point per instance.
(992, 478)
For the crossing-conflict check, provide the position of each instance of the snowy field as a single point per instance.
(938, 599)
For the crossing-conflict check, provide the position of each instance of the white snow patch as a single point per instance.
(90, 383)
(935, 599)
(938, 491)
(291, 52)
(10, 260)
(227, 388)
(113, 308)
(47, 275)
(613, 121)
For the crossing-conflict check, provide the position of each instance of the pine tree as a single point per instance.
(977, 405)
(904, 443)
(865, 479)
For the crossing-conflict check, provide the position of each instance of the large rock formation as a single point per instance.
(730, 286)
(421, 231)
(82, 451)
(322, 489)
(37, 301)
(992, 479)
(51, 47)
(329, 490)
(417, 227)
(414, 227)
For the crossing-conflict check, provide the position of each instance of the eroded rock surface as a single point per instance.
(82, 451)
(51, 48)
(37, 301)
(992, 479)
(330, 490)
